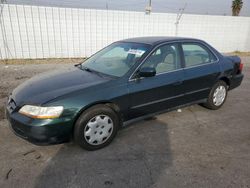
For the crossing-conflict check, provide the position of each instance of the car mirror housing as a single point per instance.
(147, 72)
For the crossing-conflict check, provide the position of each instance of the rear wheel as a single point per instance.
(96, 127)
(217, 96)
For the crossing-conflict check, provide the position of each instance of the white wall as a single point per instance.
(48, 32)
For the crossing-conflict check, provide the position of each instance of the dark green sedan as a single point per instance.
(128, 80)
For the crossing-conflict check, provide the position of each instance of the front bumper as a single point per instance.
(40, 131)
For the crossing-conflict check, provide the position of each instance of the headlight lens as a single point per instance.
(41, 112)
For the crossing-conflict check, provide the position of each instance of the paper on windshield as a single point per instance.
(136, 51)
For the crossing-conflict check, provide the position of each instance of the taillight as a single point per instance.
(241, 67)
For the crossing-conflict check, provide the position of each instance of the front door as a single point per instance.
(162, 91)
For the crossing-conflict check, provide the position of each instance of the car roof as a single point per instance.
(155, 40)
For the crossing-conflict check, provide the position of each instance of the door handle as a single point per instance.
(178, 83)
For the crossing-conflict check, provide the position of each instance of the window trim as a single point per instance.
(202, 45)
(183, 63)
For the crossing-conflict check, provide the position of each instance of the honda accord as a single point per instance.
(126, 81)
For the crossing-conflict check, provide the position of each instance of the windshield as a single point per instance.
(116, 59)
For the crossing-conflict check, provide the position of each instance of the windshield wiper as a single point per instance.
(83, 68)
(92, 71)
(78, 64)
(87, 69)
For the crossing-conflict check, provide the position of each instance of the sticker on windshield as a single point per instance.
(136, 51)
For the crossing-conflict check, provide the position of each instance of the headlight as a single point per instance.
(41, 112)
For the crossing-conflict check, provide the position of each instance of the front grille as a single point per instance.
(11, 105)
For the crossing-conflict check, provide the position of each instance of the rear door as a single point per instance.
(201, 70)
(162, 91)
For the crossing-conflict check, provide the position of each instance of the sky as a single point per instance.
(218, 7)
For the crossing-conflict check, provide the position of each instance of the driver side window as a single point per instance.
(164, 59)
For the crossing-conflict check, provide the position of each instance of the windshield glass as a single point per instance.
(116, 59)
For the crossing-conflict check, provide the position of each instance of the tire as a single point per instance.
(211, 102)
(96, 127)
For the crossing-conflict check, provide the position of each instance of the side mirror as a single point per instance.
(147, 72)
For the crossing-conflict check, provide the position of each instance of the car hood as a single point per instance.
(48, 86)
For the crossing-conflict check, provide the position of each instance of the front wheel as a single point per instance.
(217, 96)
(96, 127)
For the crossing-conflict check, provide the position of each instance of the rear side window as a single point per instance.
(197, 54)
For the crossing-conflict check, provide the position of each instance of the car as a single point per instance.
(128, 80)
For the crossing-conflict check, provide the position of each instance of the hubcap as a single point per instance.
(219, 95)
(98, 129)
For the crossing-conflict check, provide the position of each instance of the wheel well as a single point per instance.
(113, 106)
(226, 80)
